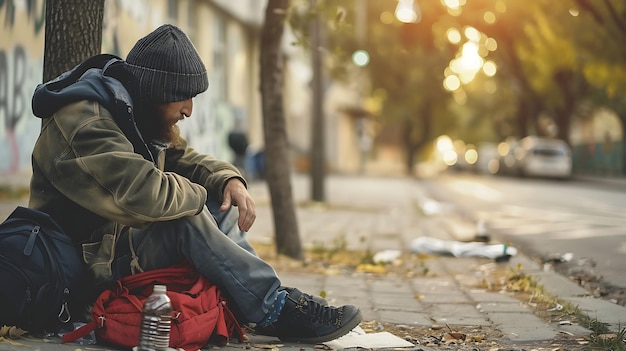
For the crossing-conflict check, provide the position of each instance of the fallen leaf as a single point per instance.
(15, 332)
(371, 268)
(453, 336)
(12, 342)
(610, 336)
(476, 337)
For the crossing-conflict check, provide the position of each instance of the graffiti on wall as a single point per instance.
(21, 66)
(18, 79)
(35, 11)
(207, 129)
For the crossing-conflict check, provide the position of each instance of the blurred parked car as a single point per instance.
(544, 157)
(534, 156)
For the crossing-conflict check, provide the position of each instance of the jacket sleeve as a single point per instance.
(100, 171)
(207, 170)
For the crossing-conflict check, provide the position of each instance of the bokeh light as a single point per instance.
(408, 11)
(386, 17)
(491, 44)
(454, 36)
(489, 17)
(361, 58)
(451, 83)
(472, 33)
(471, 156)
(490, 68)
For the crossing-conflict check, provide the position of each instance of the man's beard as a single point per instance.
(155, 128)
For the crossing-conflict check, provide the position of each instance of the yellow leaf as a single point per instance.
(16, 333)
(371, 268)
(9, 341)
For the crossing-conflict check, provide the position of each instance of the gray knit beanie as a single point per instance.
(166, 66)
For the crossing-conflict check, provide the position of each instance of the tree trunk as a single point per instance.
(73, 33)
(278, 169)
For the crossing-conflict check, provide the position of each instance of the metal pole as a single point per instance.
(318, 151)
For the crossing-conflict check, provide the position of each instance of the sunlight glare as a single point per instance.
(500, 6)
(472, 34)
(503, 149)
(386, 17)
(444, 143)
(490, 68)
(450, 157)
(408, 11)
(491, 44)
(451, 83)
(471, 156)
(360, 58)
(489, 17)
(452, 4)
(454, 36)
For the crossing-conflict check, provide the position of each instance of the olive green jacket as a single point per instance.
(89, 177)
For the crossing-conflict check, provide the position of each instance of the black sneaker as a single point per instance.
(305, 320)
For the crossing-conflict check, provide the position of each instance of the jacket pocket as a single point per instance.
(98, 256)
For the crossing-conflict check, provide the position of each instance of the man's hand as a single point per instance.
(236, 194)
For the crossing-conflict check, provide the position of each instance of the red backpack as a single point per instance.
(199, 311)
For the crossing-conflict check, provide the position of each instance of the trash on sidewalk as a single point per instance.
(558, 258)
(431, 207)
(427, 245)
(386, 256)
(357, 338)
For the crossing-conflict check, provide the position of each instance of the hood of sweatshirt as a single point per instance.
(98, 79)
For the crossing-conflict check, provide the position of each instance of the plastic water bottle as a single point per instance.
(156, 321)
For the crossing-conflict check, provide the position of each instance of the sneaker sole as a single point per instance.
(351, 324)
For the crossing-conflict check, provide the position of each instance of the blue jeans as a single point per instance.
(213, 243)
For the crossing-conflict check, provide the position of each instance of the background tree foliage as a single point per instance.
(556, 60)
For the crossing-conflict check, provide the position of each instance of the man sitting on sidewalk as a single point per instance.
(111, 168)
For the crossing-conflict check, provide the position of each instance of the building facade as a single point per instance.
(225, 33)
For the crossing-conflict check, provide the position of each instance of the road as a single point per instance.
(547, 219)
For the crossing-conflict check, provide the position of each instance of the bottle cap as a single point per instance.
(159, 288)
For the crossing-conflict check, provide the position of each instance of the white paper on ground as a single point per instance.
(429, 245)
(358, 338)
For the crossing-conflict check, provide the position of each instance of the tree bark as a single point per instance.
(278, 169)
(73, 33)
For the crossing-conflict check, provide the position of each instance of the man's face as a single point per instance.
(161, 125)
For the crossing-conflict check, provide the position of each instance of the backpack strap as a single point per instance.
(80, 332)
(106, 296)
(181, 273)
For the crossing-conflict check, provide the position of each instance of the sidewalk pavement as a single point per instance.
(378, 214)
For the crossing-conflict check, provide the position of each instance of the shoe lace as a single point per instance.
(324, 314)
